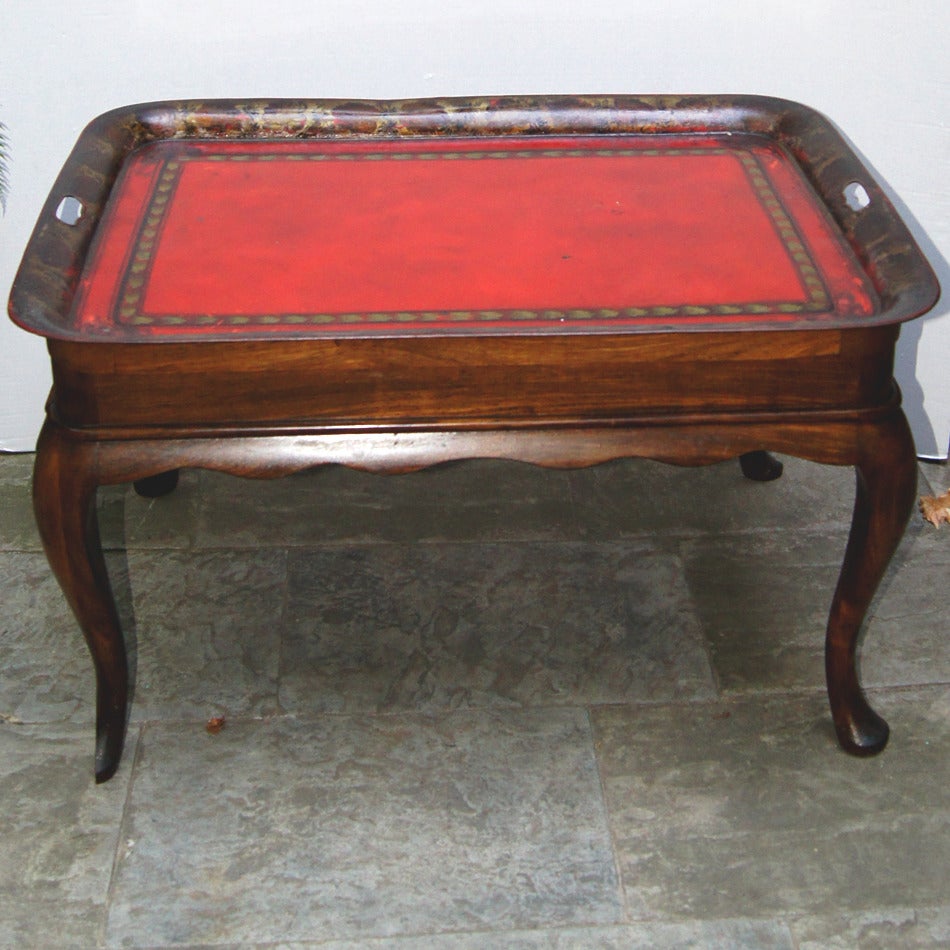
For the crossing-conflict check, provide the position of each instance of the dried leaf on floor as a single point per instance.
(936, 510)
(214, 725)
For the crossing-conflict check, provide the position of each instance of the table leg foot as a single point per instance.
(886, 489)
(760, 466)
(154, 486)
(110, 739)
(861, 731)
(64, 496)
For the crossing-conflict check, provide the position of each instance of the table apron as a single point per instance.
(468, 383)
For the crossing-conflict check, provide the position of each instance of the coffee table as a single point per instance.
(262, 287)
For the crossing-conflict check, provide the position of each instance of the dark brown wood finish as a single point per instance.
(263, 408)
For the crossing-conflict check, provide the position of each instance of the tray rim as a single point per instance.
(46, 282)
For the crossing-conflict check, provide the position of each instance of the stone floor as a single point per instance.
(476, 707)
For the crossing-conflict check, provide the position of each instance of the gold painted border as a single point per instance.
(135, 280)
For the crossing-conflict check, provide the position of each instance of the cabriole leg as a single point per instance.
(886, 488)
(64, 496)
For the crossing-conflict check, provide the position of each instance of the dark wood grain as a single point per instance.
(64, 494)
(478, 381)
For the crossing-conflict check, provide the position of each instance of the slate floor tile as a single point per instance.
(705, 935)
(60, 834)
(171, 521)
(922, 540)
(906, 640)
(17, 526)
(471, 500)
(749, 807)
(438, 626)
(206, 632)
(908, 929)
(46, 673)
(350, 828)
(763, 601)
(634, 496)
(471, 813)
(936, 477)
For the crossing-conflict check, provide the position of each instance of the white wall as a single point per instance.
(878, 68)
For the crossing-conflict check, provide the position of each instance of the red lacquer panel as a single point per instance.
(323, 237)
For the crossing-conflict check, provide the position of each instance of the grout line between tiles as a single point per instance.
(705, 642)
(605, 805)
(123, 836)
(673, 538)
(815, 692)
(282, 629)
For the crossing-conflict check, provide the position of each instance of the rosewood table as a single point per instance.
(263, 287)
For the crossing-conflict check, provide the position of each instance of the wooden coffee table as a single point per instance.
(259, 288)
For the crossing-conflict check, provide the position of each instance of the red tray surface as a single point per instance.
(511, 234)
